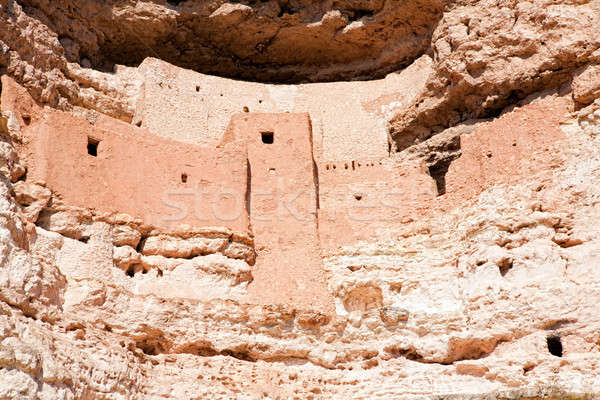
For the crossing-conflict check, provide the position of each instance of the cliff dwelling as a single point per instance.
(284, 199)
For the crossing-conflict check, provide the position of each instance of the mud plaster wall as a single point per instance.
(163, 182)
(504, 150)
(355, 200)
(366, 199)
(283, 209)
(349, 119)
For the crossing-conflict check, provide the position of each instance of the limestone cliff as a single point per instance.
(293, 199)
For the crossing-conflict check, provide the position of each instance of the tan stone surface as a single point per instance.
(259, 41)
(163, 182)
(349, 119)
(460, 286)
(282, 203)
(459, 303)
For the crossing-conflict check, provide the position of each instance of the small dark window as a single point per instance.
(554, 346)
(92, 147)
(246, 109)
(197, 88)
(184, 178)
(139, 124)
(358, 197)
(26, 119)
(267, 137)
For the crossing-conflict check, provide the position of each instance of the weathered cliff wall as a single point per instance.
(443, 243)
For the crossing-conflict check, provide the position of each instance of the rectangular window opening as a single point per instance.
(92, 147)
(267, 137)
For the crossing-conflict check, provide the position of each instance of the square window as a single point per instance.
(92, 147)
(267, 137)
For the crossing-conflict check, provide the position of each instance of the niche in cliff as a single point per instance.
(554, 345)
(440, 152)
(249, 40)
(438, 172)
(363, 298)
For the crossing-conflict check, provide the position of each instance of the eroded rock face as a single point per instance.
(476, 277)
(50, 49)
(489, 55)
(263, 41)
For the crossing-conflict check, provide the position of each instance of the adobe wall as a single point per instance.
(349, 118)
(509, 149)
(282, 203)
(365, 200)
(298, 209)
(370, 200)
(163, 182)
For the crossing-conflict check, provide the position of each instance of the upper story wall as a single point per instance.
(510, 148)
(141, 174)
(282, 200)
(111, 166)
(281, 168)
(365, 200)
(349, 119)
